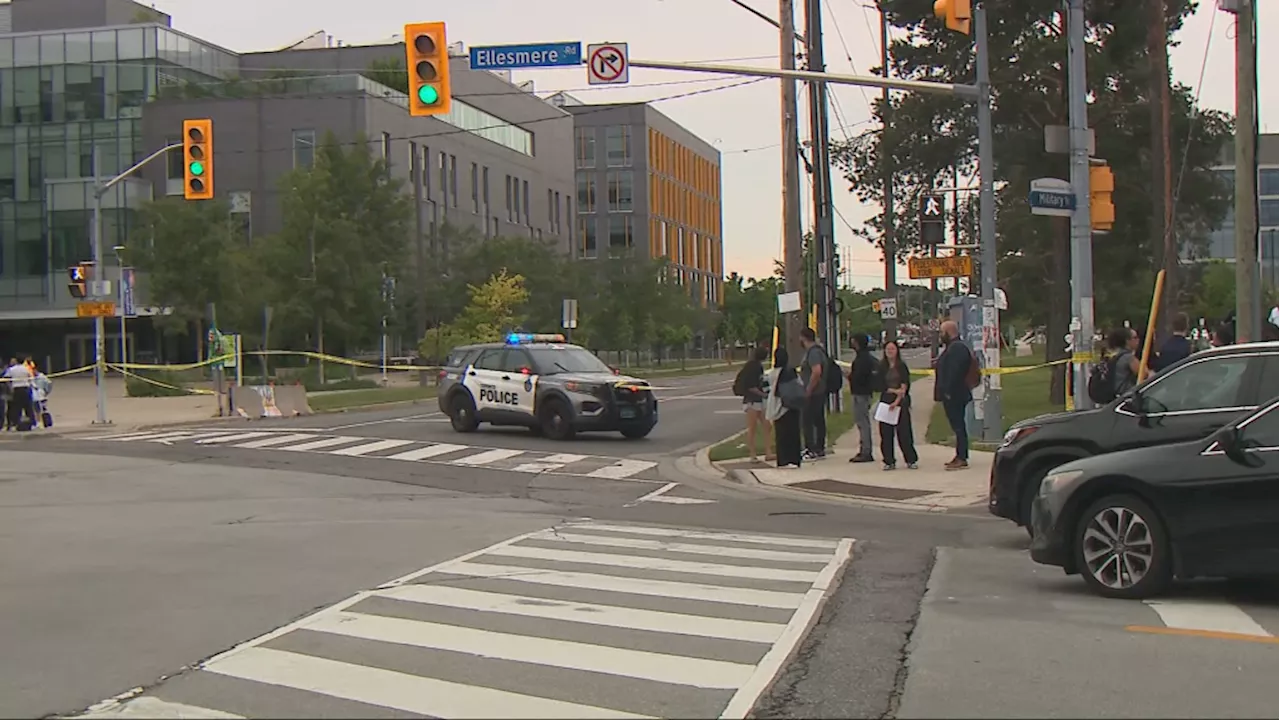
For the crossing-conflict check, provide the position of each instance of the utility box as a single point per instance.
(966, 312)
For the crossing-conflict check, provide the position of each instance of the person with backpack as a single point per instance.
(752, 386)
(957, 374)
(1117, 374)
(783, 409)
(862, 374)
(821, 378)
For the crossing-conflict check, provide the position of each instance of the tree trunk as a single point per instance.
(1059, 307)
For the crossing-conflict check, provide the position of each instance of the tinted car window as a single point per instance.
(567, 360)
(1207, 385)
(459, 358)
(491, 359)
(1262, 432)
(514, 360)
(1270, 381)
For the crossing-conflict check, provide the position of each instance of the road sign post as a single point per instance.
(569, 316)
(510, 57)
(608, 64)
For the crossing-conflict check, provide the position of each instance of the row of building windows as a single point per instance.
(680, 204)
(683, 165)
(620, 235)
(109, 46)
(617, 146)
(619, 190)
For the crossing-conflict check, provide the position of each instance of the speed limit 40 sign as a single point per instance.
(888, 309)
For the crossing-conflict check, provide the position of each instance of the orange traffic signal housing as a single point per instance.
(1102, 212)
(197, 156)
(427, 60)
(78, 281)
(956, 13)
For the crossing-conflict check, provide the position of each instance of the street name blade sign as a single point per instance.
(509, 57)
(1051, 196)
(607, 64)
(921, 268)
(888, 308)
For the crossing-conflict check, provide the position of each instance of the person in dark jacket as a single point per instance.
(1175, 348)
(894, 377)
(786, 427)
(952, 390)
(861, 376)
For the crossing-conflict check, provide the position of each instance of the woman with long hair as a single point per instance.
(786, 421)
(895, 381)
(753, 384)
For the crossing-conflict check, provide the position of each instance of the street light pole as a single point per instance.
(993, 417)
(1081, 225)
(124, 346)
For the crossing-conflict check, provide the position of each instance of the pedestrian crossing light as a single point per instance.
(427, 59)
(78, 281)
(197, 153)
(956, 13)
(1102, 182)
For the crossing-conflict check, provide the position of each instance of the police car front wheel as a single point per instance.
(462, 414)
(555, 421)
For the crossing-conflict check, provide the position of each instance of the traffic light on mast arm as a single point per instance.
(427, 60)
(197, 155)
(1102, 182)
(78, 281)
(956, 13)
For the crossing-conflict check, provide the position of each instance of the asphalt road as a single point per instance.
(583, 579)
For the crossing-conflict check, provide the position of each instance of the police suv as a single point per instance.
(540, 382)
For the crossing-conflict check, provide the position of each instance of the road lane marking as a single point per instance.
(429, 451)
(614, 583)
(487, 457)
(550, 462)
(725, 537)
(325, 443)
(1208, 634)
(690, 548)
(589, 613)
(367, 448)
(146, 708)
(650, 563)
(639, 664)
(233, 438)
(367, 423)
(1199, 615)
(279, 439)
(622, 469)
(400, 691)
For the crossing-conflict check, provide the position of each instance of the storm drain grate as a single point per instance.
(837, 487)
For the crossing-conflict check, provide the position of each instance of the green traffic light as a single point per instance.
(197, 168)
(428, 95)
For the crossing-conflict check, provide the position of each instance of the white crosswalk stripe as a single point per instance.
(356, 446)
(642, 629)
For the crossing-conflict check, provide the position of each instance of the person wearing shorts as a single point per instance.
(755, 387)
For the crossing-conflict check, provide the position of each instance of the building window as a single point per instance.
(425, 166)
(586, 192)
(444, 177)
(475, 189)
(617, 145)
(585, 146)
(1269, 181)
(587, 230)
(304, 148)
(174, 165)
(551, 210)
(619, 232)
(620, 189)
(662, 238)
(525, 195)
(1269, 213)
(557, 211)
(386, 148)
(486, 191)
(507, 186)
(453, 180)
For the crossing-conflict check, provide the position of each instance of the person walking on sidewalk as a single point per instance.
(894, 377)
(952, 388)
(786, 420)
(20, 413)
(813, 372)
(862, 373)
(752, 385)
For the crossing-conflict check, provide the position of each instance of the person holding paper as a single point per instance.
(894, 409)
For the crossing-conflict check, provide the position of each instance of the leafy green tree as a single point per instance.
(493, 309)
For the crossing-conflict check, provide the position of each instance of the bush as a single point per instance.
(170, 384)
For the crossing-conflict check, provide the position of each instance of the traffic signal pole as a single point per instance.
(792, 236)
(992, 413)
(99, 322)
(1082, 325)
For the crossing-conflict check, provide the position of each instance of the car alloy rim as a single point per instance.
(1118, 548)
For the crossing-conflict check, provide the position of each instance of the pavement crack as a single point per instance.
(904, 653)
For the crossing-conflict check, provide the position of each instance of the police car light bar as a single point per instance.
(518, 338)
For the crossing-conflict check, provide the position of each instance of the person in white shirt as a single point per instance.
(20, 377)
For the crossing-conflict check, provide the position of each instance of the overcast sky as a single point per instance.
(742, 122)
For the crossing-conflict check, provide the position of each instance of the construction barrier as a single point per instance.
(269, 401)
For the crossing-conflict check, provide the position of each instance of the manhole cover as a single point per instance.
(837, 487)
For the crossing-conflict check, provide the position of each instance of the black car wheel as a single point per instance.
(1122, 549)
(555, 421)
(462, 414)
(637, 433)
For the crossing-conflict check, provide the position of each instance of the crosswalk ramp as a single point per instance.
(409, 451)
(582, 620)
(1212, 617)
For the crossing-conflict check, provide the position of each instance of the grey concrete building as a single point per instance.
(1222, 240)
(646, 182)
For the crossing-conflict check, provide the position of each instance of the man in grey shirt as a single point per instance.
(814, 416)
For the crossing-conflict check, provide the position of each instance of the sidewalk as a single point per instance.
(73, 405)
(930, 488)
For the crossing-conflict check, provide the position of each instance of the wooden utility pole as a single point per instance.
(1248, 302)
(793, 254)
(1162, 158)
(890, 241)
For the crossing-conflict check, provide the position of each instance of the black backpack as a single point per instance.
(738, 382)
(832, 375)
(1102, 382)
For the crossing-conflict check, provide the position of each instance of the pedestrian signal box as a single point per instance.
(78, 281)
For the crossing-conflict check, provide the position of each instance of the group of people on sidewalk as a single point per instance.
(24, 394)
(794, 404)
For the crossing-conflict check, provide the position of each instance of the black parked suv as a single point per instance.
(1190, 400)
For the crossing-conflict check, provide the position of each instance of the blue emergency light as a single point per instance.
(518, 338)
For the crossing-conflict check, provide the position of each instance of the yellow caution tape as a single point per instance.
(190, 391)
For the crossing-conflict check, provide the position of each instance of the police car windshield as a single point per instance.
(551, 361)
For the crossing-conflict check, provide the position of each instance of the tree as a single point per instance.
(929, 135)
(493, 309)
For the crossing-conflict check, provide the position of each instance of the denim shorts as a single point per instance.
(749, 406)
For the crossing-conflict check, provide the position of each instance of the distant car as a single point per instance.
(1188, 401)
(1132, 521)
(542, 383)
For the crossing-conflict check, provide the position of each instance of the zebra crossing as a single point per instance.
(409, 451)
(581, 620)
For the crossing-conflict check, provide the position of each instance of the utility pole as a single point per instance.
(820, 160)
(793, 255)
(99, 272)
(1162, 156)
(889, 239)
(1248, 303)
(1081, 225)
(993, 417)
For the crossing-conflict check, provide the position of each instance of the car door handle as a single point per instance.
(506, 377)
(472, 373)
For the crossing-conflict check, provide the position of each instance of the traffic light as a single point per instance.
(1102, 213)
(197, 154)
(427, 60)
(956, 13)
(78, 281)
(875, 306)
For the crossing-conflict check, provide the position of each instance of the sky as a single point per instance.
(742, 122)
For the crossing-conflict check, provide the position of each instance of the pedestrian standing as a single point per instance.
(862, 372)
(814, 417)
(895, 377)
(786, 420)
(1123, 344)
(6, 394)
(752, 385)
(953, 387)
(1176, 347)
(19, 409)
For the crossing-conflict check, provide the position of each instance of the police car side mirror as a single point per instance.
(614, 370)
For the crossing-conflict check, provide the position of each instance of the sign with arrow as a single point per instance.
(607, 64)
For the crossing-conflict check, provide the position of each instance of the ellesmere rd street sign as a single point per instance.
(507, 57)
